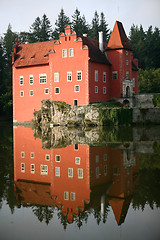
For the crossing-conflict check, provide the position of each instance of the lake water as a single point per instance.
(99, 183)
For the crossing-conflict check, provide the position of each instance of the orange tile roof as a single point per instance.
(33, 54)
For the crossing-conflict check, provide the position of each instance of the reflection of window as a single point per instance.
(104, 77)
(73, 196)
(80, 173)
(70, 172)
(21, 80)
(56, 76)
(96, 76)
(57, 171)
(77, 160)
(79, 75)
(115, 171)
(76, 146)
(32, 154)
(57, 90)
(76, 88)
(69, 76)
(47, 157)
(105, 170)
(105, 157)
(66, 195)
(104, 90)
(32, 168)
(21, 93)
(58, 158)
(114, 75)
(44, 169)
(22, 154)
(31, 80)
(97, 172)
(96, 89)
(23, 167)
(97, 158)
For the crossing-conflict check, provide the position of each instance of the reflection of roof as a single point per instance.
(118, 38)
(33, 54)
(34, 193)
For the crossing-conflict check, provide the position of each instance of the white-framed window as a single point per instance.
(21, 93)
(80, 173)
(70, 172)
(71, 52)
(57, 158)
(64, 53)
(105, 170)
(42, 78)
(21, 80)
(31, 93)
(69, 76)
(104, 90)
(77, 160)
(127, 75)
(79, 75)
(66, 195)
(22, 154)
(75, 102)
(44, 169)
(47, 157)
(32, 168)
(127, 62)
(76, 146)
(31, 79)
(97, 172)
(73, 196)
(97, 158)
(104, 77)
(96, 89)
(57, 90)
(56, 76)
(76, 88)
(114, 75)
(23, 167)
(96, 76)
(126, 53)
(105, 157)
(57, 171)
(32, 154)
(46, 91)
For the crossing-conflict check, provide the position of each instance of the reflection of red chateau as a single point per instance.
(74, 178)
(75, 69)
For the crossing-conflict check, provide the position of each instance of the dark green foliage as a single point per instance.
(156, 100)
(79, 24)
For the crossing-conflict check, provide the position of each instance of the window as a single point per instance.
(44, 169)
(104, 90)
(46, 91)
(42, 78)
(105, 170)
(104, 77)
(96, 89)
(32, 168)
(115, 171)
(79, 75)
(97, 158)
(23, 167)
(126, 53)
(80, 173)
(57, 171)
(31, 93)
(21, 93)
(75, 102)
(69, 76)
(105, 157)
(127, 75)
(97, 172)
(96, 76)
(70, 172)
(71, 52)
(57, 158)
(76, 88)
(22, 154)
(75, 146)
(133, 82)
(127, 62)
(77, 160)
(21, 80)
(56, 76)
(47, 157)
(32, 154)
(73, 196)
(66, 195)
(57, 90)
(31, 80)
(114, 75)
(64, 53)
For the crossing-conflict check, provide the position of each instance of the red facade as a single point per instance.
(72, 69)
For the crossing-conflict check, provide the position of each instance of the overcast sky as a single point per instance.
(22, 13)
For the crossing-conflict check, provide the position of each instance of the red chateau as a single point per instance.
(75, 69)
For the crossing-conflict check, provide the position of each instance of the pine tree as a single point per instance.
(35, 31)
(60, 24)
(95, 26)
(79, 24)
(45, 31)
(104, 28)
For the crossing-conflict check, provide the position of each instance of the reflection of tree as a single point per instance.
(43, 213)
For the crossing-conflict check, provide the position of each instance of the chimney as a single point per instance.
(101, 41)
